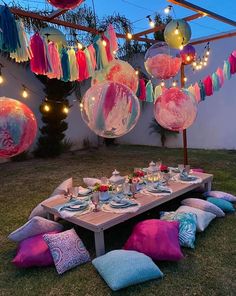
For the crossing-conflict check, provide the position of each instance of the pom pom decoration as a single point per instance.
(53, 34)
(110, 109)
(188, 54)
(65, 4)
(162, 62)
(175, 109)
(118, 71)
(18, 127)
(177, 33)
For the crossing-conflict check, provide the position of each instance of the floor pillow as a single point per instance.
(187, 226)
(221, 194)
(157, 239)
(61, 189)
(203, 205)
(121, 268)
(36, 225)
(67, 249)
(203, 218)
(33, 251)
(225, 205)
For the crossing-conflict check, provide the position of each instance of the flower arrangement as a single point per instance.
(102, 187)
(164, 168)
(139, 174)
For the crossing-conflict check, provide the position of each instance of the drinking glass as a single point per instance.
(181, 168)
(187, 168)
(126, 189)
(104, 181)
(95, 201)
(133, 189)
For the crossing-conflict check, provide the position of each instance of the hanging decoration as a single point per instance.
(18, 127)
(110, 109)
(53, 34)
(118, 71)
(65, 4)
(188, 54)
(53, 54)
(162, 62)
(175, 109)
(177, 33)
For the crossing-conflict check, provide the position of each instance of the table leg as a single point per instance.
(99, 243)
(208, 186)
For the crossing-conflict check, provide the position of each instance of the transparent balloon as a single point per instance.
(110, 109)
(175, 109)
(188, 54)
(161, 61)
(177, 33)
(65, 4)
(53, 34)
(118, 71)
(18, 127)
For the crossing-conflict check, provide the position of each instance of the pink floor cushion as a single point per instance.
(221, 194)
(36, 225)
(156, 239)
(33, 251)
(67, 249)
(203, 205)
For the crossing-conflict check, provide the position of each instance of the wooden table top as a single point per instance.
(98, 221)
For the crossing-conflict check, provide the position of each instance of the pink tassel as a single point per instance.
(92, 56)
(232, 62)
(39, 63)
(113, 40)
(142, 95)
(83, 70)
(208, 86)
(55, 61)
(220, 74)
(197, 92)
(108, 49)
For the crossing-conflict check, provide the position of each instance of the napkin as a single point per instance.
(159, 189)
(81, 191)
(72, 205)
(185, 177)
(117, 202)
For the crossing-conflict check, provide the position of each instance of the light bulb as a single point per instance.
(181, 47)
(174, 83)
(129, 35)
(104, 42)
(163, 83)
(200, 67)
(66, 110)
(137, 72)
(1, 79)
(168, 9)
(80, 46)
(93, 98)
(81, 105)
(206, 59)
(208, 52)
(194, 64)
(114, 52)
(46, 108)
(201, 63)
(205, 63)
(185, 79)
(176, 31)
(197, 67)
(188, 58)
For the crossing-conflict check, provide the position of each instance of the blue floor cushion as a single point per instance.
(223, 204)
(121, 268)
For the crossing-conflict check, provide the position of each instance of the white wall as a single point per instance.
(215, 126)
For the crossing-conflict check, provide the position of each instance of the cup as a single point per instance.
(181, 168)
(187, 168)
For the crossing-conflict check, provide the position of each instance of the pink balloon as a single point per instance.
(18, 127)
(175, 109)
(65, 4)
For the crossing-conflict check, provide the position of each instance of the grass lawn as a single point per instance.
(210, 269)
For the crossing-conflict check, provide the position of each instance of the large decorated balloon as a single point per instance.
(110, 109)
(161, 61)
(53, 34)
(65, 4)
(18, 127)
(188, 54)
(175, 109)
(177, 33)
(118, 71)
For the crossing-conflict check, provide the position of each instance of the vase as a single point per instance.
(103, 196)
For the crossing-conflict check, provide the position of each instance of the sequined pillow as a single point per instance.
(67, 249)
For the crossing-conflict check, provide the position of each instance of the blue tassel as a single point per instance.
(202, 91)
(65, 65)
(149, 92)
(97, 52)
(226, 70)
(215, 82)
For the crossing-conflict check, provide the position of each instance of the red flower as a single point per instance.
(103, 188)
(139, 174)
(163, 168)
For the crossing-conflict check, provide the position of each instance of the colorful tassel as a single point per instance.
(111, 35)
(232, 62)
(220, 74)
(55, 61)
(92, 53)
(89, 62)
(97, 54)
(110, 56)
(226, 70)
(65, 65)
(215, 82)
(103, 53)
(149, 92)
(9, 38)
(142, 90)
(74, 67)
(202, 91)
(197, 92)
(157, 92)
(23, 52)
(83, 70)
(39, 63)
(208, 86)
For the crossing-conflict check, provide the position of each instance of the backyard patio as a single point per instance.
(209, 269)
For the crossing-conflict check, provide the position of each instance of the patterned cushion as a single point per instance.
(121, 268)
(157, 239)
(67, 250)
(187, 226)
(203, 218)
(225, 205)
(36, 225)
(33, 251)
(203, 205)
(221, 194)
(61, 189)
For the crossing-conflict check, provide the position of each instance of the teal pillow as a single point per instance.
(223, 204)
(121, 268)
(187, 226)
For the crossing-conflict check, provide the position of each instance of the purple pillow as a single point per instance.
(33, 251)
(220, 194)
(157, 239)
(203, 205)
(67, 250)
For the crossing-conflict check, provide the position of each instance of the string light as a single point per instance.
(194, 64)
(24, 92)
(185, 79)
(151, 22)
(167, 10)
(205, 63)
(129, 35)
(46, 108)
(188, 58)
(81, 105)
(177, 29)
(80, 45)
(181, 46)
(93, 98)
(206, 59)
(136, 72)
(65, 110)
(1, 78)
(104, 42)
(162, 83)
(174, 83)
(208, 52)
